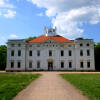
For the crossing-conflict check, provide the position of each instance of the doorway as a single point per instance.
(50, 66)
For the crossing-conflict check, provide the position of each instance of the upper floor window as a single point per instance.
(19, 45)
(81, 45)
(38, 64)
(12, 53)
(30, 64)
(70, 53)
(38, 53)
(12, 45)
(62, 53)
(30, 53)
(12, 64)
(88, 44)
(88, 64)
(50, 53)
(19, 52)
(19, 64)
(70, 64)
(88, 52)
(62, 64)
(81, 52)
(81, 64)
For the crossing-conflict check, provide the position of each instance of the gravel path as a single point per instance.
(50, 86)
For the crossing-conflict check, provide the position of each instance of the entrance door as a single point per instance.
(50, 66)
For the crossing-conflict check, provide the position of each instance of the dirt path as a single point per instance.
(50, 86)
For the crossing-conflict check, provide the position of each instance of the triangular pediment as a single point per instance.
(50, 41)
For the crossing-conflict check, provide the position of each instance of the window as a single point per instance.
(88, 52)
(70, 53)
(12, 45)
(81, 64)
(18, 64)
(12, 53)
(38, 64)
(81, 45)
(38, 53)
(70, 64)
(19, 45)
(62, 53)
(62, 64)
(12, 64)
(81, 52)
(30, 64)
(50, 53)
(88, 44)
(88, 64)
(30, 53)
(19, 52)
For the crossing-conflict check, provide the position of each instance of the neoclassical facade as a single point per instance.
(50, 52)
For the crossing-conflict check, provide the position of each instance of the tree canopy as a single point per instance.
(97, 56)
(30, 38)
(3, 53)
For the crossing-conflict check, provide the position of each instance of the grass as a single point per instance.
(11, 84)
(89, 84)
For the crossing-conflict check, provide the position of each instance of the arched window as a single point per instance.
(70, 53)
(12, 53)
(81, 64)
(70, 64)
(30, 53)
(81, 52)
(19, 52)
(50, 53)
(30, 64)
(38, 53)
(88, 52)
(62, 64)
(38, 64)
(62, 53)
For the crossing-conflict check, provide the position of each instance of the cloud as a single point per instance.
(40, 14)
(6, 9)
(70, 15)
(10, 14)
(13, 36)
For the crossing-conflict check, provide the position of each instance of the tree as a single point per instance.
(30, 38)
(3, 54)
(97, 56)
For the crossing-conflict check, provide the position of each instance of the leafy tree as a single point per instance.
(97, 56)
(30, 38)
(3, 53)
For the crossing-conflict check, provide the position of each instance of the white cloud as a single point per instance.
(70, 15)
(40, 14)
(6, 9)
(13, 36)
(10, 14)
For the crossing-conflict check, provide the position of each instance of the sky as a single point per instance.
(20, 19)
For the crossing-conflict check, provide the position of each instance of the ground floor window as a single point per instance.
(62, 64)
(30, 64)
(88, 64)
(19, 64)
(70, 64)
(81, 64)
(38, 64)
(12, 64)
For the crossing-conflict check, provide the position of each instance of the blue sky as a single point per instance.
(25, 18)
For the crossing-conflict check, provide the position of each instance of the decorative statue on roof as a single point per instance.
(50, 31)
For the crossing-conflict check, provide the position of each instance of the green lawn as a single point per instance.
(11, 84)
(89, 84)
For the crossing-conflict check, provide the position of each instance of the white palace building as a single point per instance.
(50, 52)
